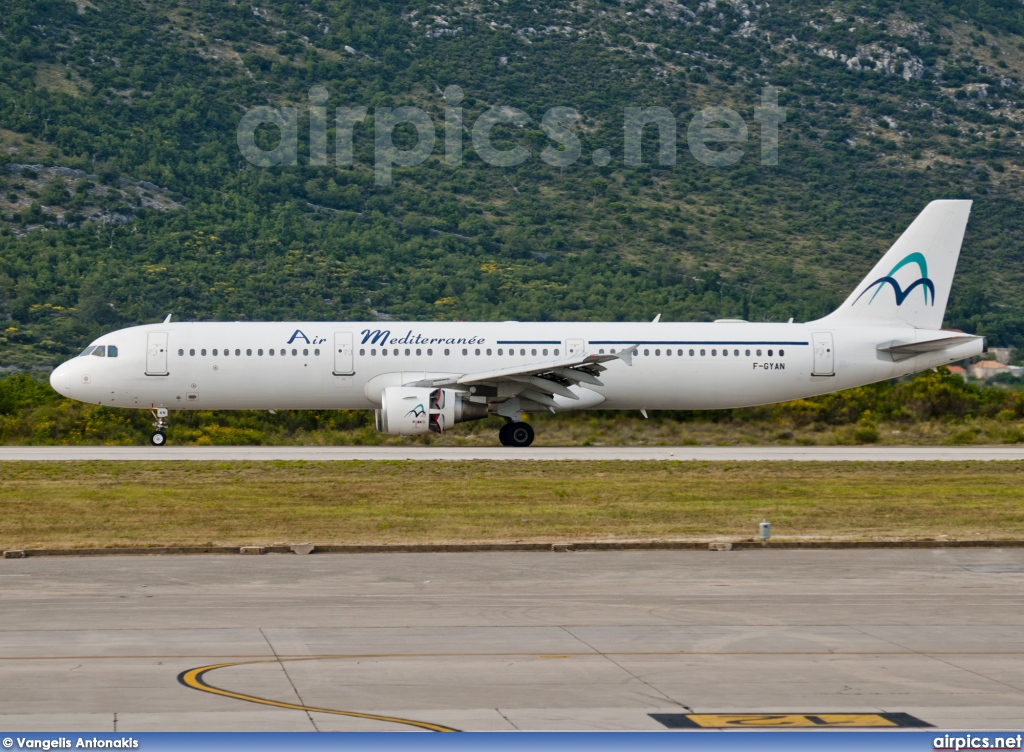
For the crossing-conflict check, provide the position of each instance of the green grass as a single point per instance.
(100, 504)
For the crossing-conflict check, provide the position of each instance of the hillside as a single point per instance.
(124, 195)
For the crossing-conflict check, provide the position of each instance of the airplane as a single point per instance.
(426, 377)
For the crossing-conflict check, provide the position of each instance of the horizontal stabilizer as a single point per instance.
(941, 341)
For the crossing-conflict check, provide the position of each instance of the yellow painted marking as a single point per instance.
(789, 720)
(195, 678)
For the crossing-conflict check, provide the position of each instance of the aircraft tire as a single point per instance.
(157, 438)
(520, 434)
(503, 435)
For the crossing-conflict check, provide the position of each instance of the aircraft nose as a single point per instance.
(60, 378)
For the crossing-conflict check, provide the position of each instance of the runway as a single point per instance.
(505, 641)
(456, 454)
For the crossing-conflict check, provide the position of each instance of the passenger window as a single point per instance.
(713, 352)
(100, 352)
(237, 351)
(294, 351)
(271, 351)
(215, 351)
(430, 351)
(447, 351)
(305, 351)
(556, 351)
(465, 351)
(545, 351)
(679, 353)
(362, 352)
(248, 351)
(769, 353)
(702, 353)
(656, 352)
(384, 351)
(533, 351)
(747, 352)
(736, 353)
(203, 352)
(759, 353)
(418, 351)
(522, 351)
(488, 351)
(112, 351)
(87, 351)
(181, 352)
(501, 351)
(316, 351)
(725, 353)
(601, 351)
(478, 351)
(691, 353)
(192, 352)
(260, 351)
(781, 352)
(373, 352)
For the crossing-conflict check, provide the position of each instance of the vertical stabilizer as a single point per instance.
(911, 284)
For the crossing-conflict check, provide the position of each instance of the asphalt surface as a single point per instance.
(504, 641)
(728, 454)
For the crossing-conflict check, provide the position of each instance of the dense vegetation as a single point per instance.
(933, 407)
(153, 209)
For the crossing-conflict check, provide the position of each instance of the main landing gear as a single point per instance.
(159, 436)
(516, 434)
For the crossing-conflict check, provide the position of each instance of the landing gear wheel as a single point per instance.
(503, 435)
(519, 434)
(158, 437)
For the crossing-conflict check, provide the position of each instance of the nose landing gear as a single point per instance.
(159, 436)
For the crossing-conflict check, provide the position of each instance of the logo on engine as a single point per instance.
(417, 412)
(901, 295)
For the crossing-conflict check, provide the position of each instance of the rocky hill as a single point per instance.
(124, 193)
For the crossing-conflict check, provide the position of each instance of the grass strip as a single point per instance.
(108, 504)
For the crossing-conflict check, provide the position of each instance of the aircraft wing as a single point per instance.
(539, 381)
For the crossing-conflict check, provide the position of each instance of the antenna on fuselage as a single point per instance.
(168, 319)
(656, 319)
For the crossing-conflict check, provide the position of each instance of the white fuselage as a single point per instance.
(686, 366)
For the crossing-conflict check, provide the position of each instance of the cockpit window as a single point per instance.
(100, 351)
(88, 350)
(111, 351)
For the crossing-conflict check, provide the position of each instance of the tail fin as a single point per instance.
(910, 285)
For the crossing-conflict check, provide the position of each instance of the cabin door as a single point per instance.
(343, 354)
(824, 357)
(156, 354)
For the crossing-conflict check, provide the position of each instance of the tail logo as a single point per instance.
(901, 295)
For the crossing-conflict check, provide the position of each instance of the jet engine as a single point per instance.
(410, 410)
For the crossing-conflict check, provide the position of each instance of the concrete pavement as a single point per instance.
(596, 640)
(434, 453)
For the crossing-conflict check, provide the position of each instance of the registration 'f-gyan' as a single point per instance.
(426, 377)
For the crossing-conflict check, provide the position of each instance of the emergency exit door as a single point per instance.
(343, 354)
(824, 357)
(156, 354)
(574, 347)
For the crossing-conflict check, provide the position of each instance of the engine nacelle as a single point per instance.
(411, 410)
